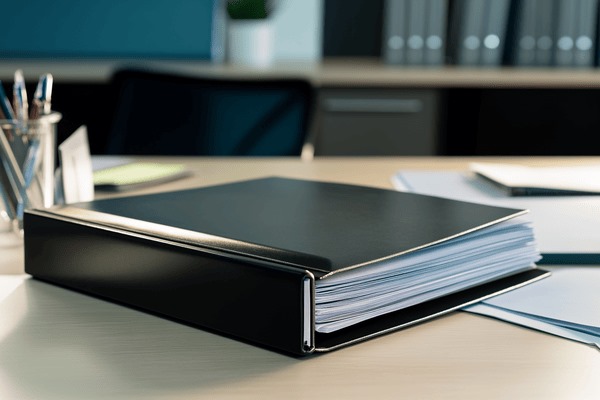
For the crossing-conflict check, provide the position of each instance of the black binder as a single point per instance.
(241, 259)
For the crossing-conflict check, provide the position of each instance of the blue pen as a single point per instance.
(17, 145)
(41, 97)
(20, 97)
(47, 93)
(6, 111)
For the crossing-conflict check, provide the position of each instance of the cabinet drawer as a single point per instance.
(377, 122)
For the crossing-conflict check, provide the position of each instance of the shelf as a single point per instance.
(331, 72)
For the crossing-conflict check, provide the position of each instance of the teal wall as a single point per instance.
(106, 28)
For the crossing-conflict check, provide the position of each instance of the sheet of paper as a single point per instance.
(584, 178)
(570, 294)
(576, 217)
(104, 162)
(484, 309)
(76, 167)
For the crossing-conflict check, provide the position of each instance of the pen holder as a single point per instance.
(27, 152)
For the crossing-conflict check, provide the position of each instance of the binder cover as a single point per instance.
(241, 259)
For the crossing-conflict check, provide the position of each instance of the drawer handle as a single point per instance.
(387, 106)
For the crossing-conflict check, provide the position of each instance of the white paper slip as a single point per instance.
(522, 180)
(76, 167)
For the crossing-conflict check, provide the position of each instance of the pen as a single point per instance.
(41, 104)
(6, 111)
(20, 97)
(15, 140)
(10, 201)
(16, 183)
(8, 189)
(47, 94)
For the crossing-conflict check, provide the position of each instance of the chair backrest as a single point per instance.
(165, 114)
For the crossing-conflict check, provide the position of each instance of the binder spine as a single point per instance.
(525, 39)
(565, 29)
(435, 43)
(471, 30)
(255, 301)
(544, 36)
(585, 38)
(415, 44)
(394, 34)
(494, 37)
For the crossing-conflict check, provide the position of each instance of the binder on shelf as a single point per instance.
(435, 41)
(469, 31)
(256, 260)
(394, 31)
(524, 44)
(585, 36)
(565, 33)
(415, 43)
(544, 37)
(494, 37)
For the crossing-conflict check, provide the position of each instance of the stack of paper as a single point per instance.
(565, 304)
(356, 295)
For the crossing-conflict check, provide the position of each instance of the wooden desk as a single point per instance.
(58, 344)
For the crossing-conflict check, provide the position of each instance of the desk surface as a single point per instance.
(58, 344)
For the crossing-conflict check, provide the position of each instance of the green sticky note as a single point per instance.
(137, 174)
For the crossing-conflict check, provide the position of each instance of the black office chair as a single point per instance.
(164, 114)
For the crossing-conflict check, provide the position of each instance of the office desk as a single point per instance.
(59, 344)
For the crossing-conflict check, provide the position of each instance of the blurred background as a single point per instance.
(387, 77)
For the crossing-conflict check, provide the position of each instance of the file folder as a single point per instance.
(243, 259)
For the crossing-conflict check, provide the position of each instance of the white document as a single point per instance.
(498, 313)
(565, 304)
(563, 225)
(570, 295)
(572, 178)
(76, 167)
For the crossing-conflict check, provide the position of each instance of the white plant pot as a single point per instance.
(250, 42)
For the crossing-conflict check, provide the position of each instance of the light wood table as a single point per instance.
(59, 344)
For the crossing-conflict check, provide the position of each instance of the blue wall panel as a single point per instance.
(106, 28)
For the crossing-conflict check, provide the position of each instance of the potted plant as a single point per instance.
(250, 39)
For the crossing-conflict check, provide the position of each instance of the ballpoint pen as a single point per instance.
(7, 195)
(6, 186)
(17, 145)
(42, 96)
(47, 93)
(40, 107)
(6, 111)
(20, 97)
(15, 182)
